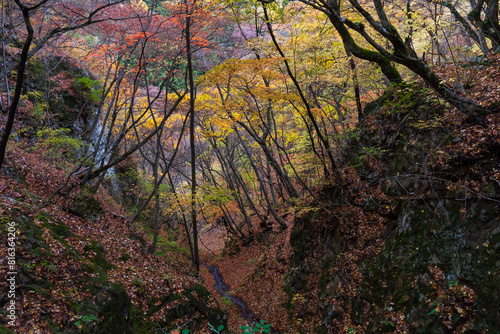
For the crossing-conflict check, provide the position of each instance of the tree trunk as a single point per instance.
(323, 140)
(19, 82)
(355, 83)
(196, 258)
(400, 53)
(261, 181)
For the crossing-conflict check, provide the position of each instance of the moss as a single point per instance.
(156, 304)
(115, 310)
(167, 247)
(98, 255)
(401, 161)
(301, 239)
(124, 257)
(35, 72)
(232, 248)
(325, 278)
(87, 204)
(321, 330)
(434, 233)
(64, 105)
(194, 299)
(137, 237)
(104, 307)
(15, 173)
(58, 229)
(5, 330)
(88, 89)
(301, 235)
(141, 324)
(129, 182)
(447, 230)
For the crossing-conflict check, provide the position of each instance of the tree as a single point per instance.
(306, 104)
(134, 58)
(190, 7)
(248, 100)
(486, 24)
(77, 18)
(399, 50)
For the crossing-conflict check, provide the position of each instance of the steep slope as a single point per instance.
(410, 243)
(75, 264)
(407, 244)
(88, 274)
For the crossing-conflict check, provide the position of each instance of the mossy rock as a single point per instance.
(68, 108)
(14, 173)
(88, 89)
(401, 130)
(465, 246)
(128, 181)
(115, 310)
(98, 255)
(140, 323)
(301, 238)
(488, 291)
(134, 236)
(88, 205)
(195, 299)
(124, 257)
(58, 229)
(321, 330)
(5, 330)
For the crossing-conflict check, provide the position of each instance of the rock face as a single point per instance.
(413, 241)
(115, 308)
(62, 94)
(440, 269)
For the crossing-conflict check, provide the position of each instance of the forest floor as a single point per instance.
(51, 280)
(56, 252)
(254, 272)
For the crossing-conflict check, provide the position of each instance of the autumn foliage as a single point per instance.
(287, 139)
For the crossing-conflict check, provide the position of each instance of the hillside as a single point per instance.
(81, 268)
(408, 241)
(249, 167)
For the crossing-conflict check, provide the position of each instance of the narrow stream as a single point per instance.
(223, 289)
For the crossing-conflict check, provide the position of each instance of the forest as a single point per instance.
(250, 166)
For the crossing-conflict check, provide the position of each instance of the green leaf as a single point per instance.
(221, 327)
(432, 312)
(185, 331)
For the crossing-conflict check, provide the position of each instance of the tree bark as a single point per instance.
(196, 258)
(19, 81)
(261, 181)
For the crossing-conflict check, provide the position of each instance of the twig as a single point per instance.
(29, 166)
(430, 178)
(201, 240)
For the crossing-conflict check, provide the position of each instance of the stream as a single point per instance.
(223, 289)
